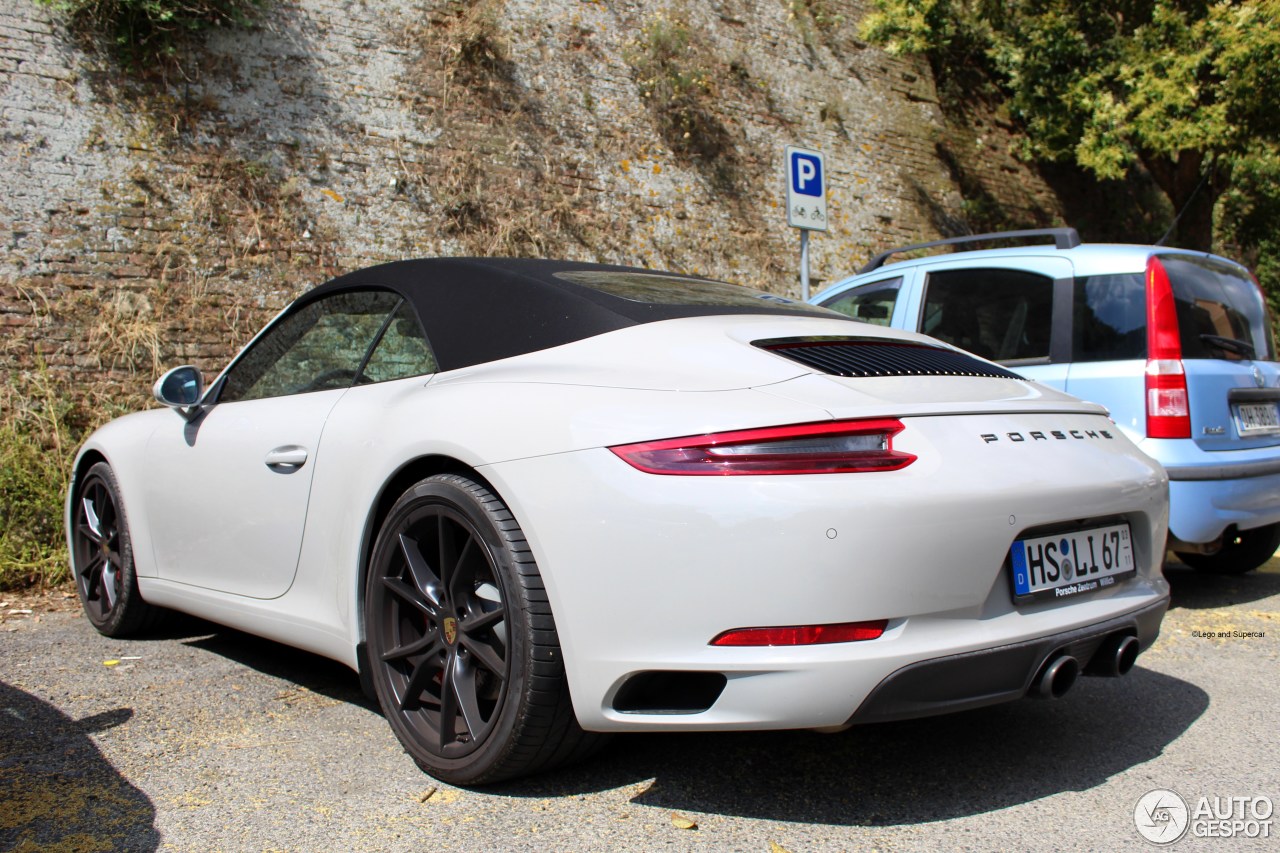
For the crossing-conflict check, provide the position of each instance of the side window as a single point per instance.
(1000, 314)
(870, 303)
(401, 351)
(318, 347)
(1110, 318)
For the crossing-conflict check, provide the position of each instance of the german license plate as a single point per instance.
(1067, 564)
(1257, 418)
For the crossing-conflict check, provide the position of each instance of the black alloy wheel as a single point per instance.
(462, 646)
(102, 555)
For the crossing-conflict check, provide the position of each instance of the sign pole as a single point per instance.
(804, 264)
(806, 202)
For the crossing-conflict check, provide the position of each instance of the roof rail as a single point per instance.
(1063, 238)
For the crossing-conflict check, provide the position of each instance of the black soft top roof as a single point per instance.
(476, 310)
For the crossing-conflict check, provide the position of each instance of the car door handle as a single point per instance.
(289, 456)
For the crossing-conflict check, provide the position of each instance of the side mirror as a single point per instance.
(180, 388)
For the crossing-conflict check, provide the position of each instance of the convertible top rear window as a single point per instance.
(660, 289)
(477, 310)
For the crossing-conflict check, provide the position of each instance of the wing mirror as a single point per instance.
(181, 389)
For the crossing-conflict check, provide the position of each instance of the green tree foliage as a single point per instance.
(1186, 88)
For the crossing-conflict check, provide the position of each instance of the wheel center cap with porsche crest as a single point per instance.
(450, 628)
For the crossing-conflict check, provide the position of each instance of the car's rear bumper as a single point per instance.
(1210, 491)
(1235, 471)
(1001, 674)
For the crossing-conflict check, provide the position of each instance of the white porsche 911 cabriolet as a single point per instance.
(531, 501)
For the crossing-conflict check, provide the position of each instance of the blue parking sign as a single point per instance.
(806, 190)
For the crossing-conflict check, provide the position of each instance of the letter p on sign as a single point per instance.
(807, 175)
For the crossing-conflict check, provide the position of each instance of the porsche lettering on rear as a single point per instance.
(1048, 435)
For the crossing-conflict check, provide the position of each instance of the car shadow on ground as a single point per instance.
(1195, 590)
(57, 789)
(318, 674)
(900, 773)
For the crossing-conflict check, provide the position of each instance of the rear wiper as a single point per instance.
(1235, 345)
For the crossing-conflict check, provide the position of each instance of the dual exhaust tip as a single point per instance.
(1115, 657)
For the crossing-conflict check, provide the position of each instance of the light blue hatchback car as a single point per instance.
(1176, 344)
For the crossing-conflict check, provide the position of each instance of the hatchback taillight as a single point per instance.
(1168, 406)
(829, 447)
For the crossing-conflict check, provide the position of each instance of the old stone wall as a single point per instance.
(158, 218)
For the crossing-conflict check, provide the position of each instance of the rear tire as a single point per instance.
(1244, 552)
(462, 647)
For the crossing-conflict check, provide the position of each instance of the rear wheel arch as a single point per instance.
(395, 486)
(458, 639)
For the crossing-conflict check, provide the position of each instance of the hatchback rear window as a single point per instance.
(1220, 311)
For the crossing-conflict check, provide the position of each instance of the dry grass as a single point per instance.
(503, 198)
(245, 203)
(126, 335)
(40, 428)
(677, 73)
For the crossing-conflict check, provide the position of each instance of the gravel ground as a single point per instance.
(206, 739)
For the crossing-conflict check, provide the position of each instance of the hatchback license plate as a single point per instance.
(1257, 418)
(1067, 564)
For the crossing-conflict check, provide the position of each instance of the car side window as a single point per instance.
(316, 348)
(1000, 314)
(870, 303)
(1110, 318)
(402, 350)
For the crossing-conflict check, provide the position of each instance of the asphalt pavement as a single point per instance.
(207, 739)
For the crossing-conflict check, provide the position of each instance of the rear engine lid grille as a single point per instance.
(872, 357)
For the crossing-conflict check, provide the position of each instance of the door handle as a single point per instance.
(289, 457)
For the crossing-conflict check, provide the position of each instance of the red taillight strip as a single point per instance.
(803, 635)
(795, 449)
(1163, 340)
(1168, 405)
